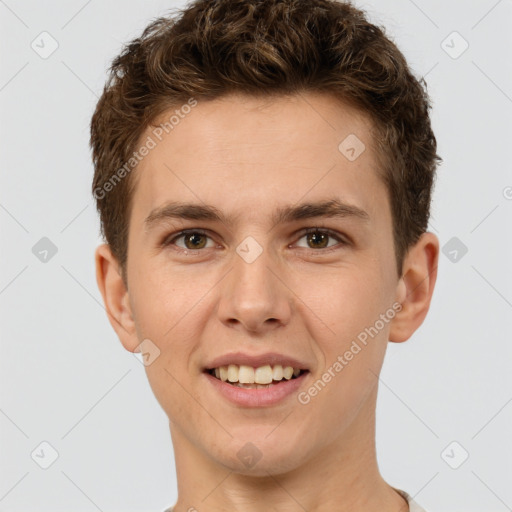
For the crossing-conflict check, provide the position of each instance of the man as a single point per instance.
(263, 174)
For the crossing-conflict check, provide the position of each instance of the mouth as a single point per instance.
(248, 377)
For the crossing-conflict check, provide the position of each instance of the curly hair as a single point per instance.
(265, 48)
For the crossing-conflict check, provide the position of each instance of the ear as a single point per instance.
(415, 287)
(115, 296)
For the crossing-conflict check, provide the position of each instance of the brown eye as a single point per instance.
(317, 238)
(192, 240)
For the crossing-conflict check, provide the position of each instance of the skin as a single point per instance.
(247, 156)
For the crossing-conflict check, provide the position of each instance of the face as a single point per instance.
(287, 260)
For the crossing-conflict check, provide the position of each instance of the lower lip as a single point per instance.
(257, 397)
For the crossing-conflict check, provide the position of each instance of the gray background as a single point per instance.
(65, 378)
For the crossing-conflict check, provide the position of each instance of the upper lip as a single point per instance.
(271, 358)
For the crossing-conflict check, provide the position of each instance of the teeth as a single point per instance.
(247, 376)
(278, 372)
(251, 386)
(288, 372)
(233, 373)
(263, 375)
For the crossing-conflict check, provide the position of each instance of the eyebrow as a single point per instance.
(193, 211)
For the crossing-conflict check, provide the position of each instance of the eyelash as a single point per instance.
(169, 240)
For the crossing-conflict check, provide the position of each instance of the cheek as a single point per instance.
(170, 313)
(353, 347)
(346, 300)
(165, 301)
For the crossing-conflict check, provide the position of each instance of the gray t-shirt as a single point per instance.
(413, 506)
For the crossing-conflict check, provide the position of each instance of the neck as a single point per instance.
(343, 476)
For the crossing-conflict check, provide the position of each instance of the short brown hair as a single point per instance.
(266, 47)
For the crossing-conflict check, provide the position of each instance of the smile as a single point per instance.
(248, 377)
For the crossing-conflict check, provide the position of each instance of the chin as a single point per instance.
(260, 455)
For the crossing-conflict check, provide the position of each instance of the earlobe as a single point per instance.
(415, 287)
(115, 297)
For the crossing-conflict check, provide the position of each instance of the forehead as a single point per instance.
(238, 121)
(242, 152)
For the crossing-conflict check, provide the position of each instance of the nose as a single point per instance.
(254, 296)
